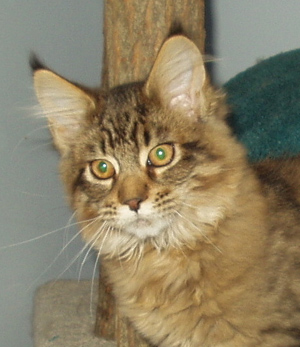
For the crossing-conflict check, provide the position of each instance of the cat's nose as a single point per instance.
(133, 190)
(134, 204)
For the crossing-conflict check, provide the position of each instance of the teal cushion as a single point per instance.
(265, 102)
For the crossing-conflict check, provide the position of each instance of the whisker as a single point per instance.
(67, 228)
(57, 256)
(36, 238)
(104, 238)
(33, 194)
(97, 259)
(91, 244)
(205, 236)
(189, 205)
(178, 243)
(38, 147)
(26, 136)
(52, 262)
(76, 257)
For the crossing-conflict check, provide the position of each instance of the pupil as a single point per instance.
(161, 154)
(103, 167)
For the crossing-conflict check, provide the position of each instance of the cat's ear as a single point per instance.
(178, 76)
(64, 104)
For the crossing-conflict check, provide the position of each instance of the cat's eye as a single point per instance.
(161, 155)
(102, 169)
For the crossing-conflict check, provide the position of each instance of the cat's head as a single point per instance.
(150, 162)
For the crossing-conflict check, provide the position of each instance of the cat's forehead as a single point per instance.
(128, 119)
(125, 104)
(130, 124)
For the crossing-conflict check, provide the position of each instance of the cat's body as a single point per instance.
(201, 248)
(246, 294)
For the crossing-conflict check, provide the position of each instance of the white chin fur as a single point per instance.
(145, 223)
(143, 228)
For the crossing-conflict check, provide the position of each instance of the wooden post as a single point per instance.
(134, 31)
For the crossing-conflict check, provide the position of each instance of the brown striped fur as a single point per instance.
(201, 251)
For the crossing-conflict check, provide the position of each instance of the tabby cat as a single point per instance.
(201, 248)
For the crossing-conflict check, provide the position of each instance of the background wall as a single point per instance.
(246, 31)
(68, 36)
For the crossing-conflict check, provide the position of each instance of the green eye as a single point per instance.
(161, 155)
(102, 169)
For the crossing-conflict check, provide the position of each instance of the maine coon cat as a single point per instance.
(201, 248)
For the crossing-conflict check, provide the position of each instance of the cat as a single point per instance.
(201, 247)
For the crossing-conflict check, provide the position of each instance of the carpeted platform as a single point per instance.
(63, 317)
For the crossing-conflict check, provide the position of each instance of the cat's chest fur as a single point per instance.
(238, 291)
(193, 292)
(169, 287)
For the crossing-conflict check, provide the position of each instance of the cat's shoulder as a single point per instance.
(280, 180)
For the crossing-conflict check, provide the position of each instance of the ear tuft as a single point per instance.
(64, 104)
(177, 77)
(35, 63)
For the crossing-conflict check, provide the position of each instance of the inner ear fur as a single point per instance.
(65, 105)
(178, 76)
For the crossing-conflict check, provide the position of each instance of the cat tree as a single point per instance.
(134, 31)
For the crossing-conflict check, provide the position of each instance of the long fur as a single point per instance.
(203, 250)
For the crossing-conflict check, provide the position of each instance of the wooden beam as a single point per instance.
(134, 31)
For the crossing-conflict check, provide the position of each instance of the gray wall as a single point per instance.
(247, 31)
(68, 36)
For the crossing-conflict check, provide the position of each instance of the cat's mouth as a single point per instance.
(142, 223)
(144, 227)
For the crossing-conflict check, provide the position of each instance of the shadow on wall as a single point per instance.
(210, 35)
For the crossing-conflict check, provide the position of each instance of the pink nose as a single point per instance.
(134, 204)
